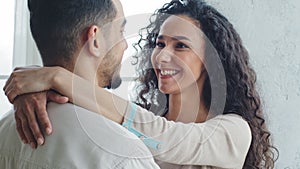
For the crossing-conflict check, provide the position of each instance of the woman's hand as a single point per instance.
(31, 116)
(28, 80)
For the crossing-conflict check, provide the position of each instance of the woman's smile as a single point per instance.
(167, 73)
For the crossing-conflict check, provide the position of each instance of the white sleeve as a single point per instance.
(222, 141)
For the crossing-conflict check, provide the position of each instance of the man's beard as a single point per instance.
(116, 80)
(109, 71)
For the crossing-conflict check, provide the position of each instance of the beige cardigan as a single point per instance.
(220, 142)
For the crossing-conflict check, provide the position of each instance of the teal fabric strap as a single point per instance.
(131, 115)
(128, 124)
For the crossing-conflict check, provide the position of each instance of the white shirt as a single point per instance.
(81, 139)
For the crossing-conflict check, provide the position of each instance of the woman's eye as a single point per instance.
(160, 44)
(181, 45)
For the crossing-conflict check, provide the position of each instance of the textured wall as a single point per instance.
(270, 31)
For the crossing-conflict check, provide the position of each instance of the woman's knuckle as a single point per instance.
(42, 115)
(18, 127)
(13, 74)
(32, 125)
(17, 68)
(18, 85)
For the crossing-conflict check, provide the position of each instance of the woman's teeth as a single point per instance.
(168, 72)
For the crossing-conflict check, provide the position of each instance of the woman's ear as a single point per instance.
(94, 36)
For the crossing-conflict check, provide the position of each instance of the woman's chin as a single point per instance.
(168, 90)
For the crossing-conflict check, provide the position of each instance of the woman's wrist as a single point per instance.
(57, 77)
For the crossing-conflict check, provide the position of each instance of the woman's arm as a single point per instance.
(30, 107)
(90, 96)
(79, 91)
(222, 141)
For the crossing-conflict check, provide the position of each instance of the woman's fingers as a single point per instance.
(20, 130)
(27, 132)
(21, 81)
(13, 86)
(42, 114)
(31, 111)
(11, 95)
(27, 67)
(35, 111)
(7, 87)
(10, 78)
(34, 127)
(56, 97)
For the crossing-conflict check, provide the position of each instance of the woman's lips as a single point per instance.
(167, 73)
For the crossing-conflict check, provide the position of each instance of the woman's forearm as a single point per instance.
(89, 96)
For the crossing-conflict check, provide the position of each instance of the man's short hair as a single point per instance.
(57, 25)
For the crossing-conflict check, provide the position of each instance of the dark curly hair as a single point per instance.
(242, 97)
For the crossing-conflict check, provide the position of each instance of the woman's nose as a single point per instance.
(164, 56)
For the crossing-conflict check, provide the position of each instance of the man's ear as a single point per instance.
(94, 36)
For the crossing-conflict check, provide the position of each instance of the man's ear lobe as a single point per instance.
(94, 35)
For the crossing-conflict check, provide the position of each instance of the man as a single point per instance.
(86, 38)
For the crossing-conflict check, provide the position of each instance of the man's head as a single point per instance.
(109, 68)
(61, 28)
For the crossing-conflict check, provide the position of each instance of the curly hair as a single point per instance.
(242, 97)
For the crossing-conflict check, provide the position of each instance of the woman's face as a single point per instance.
(177, 57)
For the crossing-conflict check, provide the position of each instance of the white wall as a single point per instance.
(270, 31)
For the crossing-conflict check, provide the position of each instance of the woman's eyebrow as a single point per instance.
(180, 38)
(174, 38)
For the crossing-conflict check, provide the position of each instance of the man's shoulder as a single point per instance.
(70, 115)
(7, 117)
(74, 119)
(80, 138)
(71, 121)
(66, 109)
(108, 141)
(8, 131)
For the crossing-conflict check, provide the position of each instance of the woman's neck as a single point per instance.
(187, 106)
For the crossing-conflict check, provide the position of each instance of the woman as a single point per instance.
(178, 64)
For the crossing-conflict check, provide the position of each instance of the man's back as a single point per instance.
(80, 139)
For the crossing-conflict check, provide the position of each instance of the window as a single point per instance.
(6, 48)
(7, 16)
